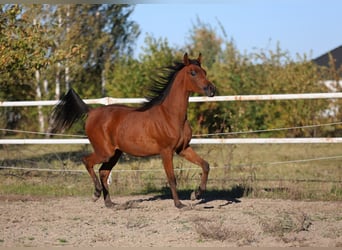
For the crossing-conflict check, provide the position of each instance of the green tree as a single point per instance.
(23, 50)
(86, 42)
(105, 33)
(204, 39)
(271, 72)
(23, 53)
(45, 49)
(262, 72)
(131, 77)
(331, 76)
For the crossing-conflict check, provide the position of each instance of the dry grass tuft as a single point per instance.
(286, 223)
(210, 230)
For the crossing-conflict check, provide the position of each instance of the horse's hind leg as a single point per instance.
(92, 159)
(189, 154)
(89, 161)
(104, 173)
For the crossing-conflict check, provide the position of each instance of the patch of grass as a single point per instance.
(138, 222)
(209, 230)
(285, 222)
(215, 231)
(259, 171)
(45, 186)
(62, 240)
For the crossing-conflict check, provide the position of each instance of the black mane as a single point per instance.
(161, 84)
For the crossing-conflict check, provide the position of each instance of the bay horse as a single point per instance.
(157, 127)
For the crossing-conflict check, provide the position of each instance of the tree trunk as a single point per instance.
(40, 108)
(67, 74)
(103, 82)
(39, 96)
(58, 83)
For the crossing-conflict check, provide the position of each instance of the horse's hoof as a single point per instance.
(95, 197)
(193, 196)
(109, 204)
(180, 205)
(96, 194)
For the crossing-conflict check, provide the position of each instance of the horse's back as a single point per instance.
(106, 113)
(105, 119)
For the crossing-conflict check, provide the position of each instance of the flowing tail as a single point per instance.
(69, 109)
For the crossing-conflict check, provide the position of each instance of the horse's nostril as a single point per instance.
(210, 90)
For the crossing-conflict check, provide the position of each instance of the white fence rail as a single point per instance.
(193, 141)
(108, 100)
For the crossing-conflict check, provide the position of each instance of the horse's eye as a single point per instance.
(193, 72)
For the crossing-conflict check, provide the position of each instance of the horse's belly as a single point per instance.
(139, 146)
(142, 135)
(134, 140)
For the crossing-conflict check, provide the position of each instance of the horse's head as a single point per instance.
(196, 77)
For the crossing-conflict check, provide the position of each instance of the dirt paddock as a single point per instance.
(143, 221)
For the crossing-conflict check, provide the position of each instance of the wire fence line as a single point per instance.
(196, 135)
(334, 157)
(40, 133)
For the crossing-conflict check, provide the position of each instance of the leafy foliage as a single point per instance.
(65, 45)
(90, 47)
(23, 50)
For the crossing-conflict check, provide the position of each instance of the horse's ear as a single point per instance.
(186, 59)
(199, 59)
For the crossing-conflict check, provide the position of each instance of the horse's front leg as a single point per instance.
(167, 158)
(189, 154)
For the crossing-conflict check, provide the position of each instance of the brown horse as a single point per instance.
(157, 127)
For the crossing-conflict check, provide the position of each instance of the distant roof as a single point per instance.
(323, 60)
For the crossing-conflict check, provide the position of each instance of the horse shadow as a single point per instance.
(227, 197)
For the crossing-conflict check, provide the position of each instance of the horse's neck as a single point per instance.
(176, 103)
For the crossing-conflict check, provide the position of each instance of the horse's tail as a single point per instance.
(69, 109)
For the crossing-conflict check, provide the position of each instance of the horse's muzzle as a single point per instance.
(210, 90)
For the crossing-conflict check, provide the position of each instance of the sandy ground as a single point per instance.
(143, 221)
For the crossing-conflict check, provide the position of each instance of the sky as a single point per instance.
(310, 27)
